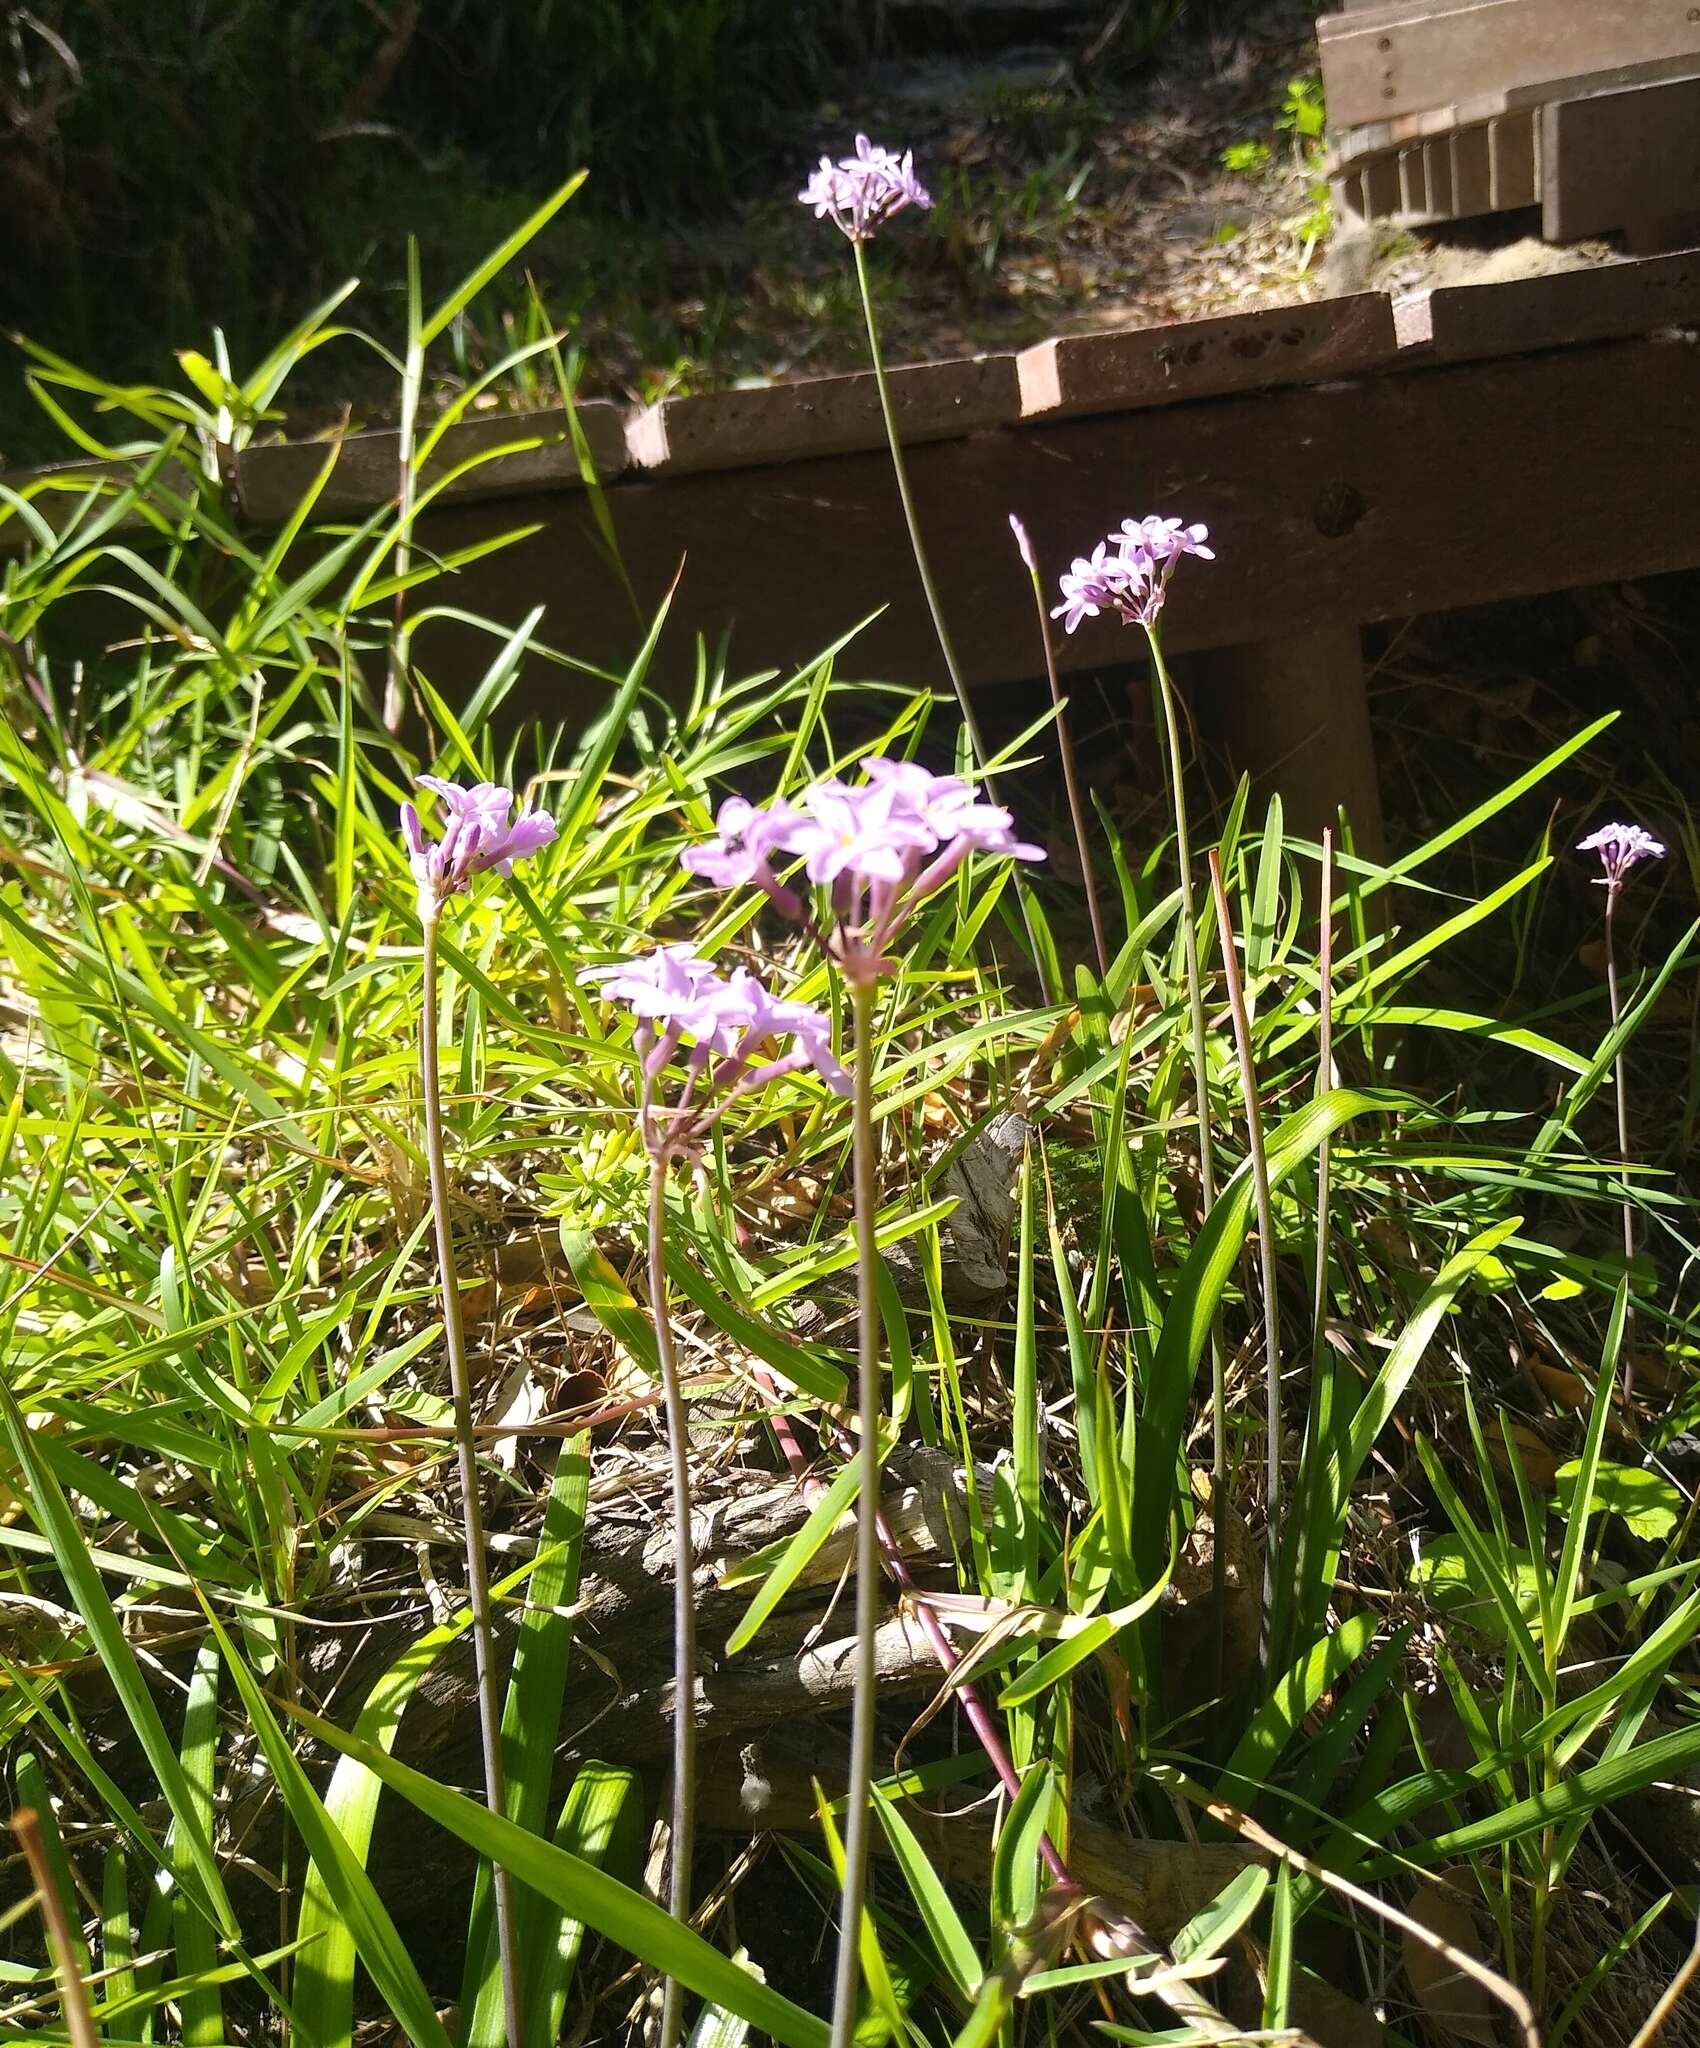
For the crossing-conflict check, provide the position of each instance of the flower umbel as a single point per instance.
(859, 192)
(1102, 582)
(882, 847)
(1619, 848)
(725, 1024)
(1128, 573)
(1160, 543)
(478, 836)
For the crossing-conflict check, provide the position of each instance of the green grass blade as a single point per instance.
(1502, 799)
(621, 1915)
(70, 1553)
(1222, 1919)
(805, 1366)
(1191, 1306)
(1277, 1722)
(117, 1938)
(531, 1719)
(30, 1783)
(793, 1559)
(197, 1953)
(943, 1923)
(499, 258)
(1326, 1494)
(1025, 1424)
(1576, 1527)
(376, 1942)
(601, 1823)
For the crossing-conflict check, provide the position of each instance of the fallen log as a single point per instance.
(620, 1701)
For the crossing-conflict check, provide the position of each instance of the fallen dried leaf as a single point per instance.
(1540, 1464)
(1456, 2007)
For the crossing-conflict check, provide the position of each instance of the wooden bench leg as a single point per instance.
(1294, 713)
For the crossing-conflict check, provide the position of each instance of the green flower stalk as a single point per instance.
(1127, 577)
(478, 838)
(1619, 848)
(728, 1021)
(1265, 1246)
(858, 193)
(1065, 752)
(879, 850)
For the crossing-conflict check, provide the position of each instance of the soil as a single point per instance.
(1066, 200)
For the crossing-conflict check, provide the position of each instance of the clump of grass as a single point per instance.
(228, 1430)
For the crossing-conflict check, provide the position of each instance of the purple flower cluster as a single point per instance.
(479, 836)
(1619, 848)
(1128, 573)
(728, 1020)
(860, 192)
(881, 847)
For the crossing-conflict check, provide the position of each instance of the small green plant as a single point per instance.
(1303, 118)
(1246, 157)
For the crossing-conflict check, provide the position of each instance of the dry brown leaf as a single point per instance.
(1540, 1462)
(1455, 2006)
(1560, 1384)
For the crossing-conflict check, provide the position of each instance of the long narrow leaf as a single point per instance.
(625, 1917)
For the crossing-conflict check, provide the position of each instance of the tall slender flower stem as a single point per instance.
(1294, 1589)
(1206, 1151)
(684, 1590)
(1620, 847)
(1621, 1078)
(1065, 749)
(848, 1977)
(477, 1577)
(1324, 1081)
(901, 471)
(1265, 1236)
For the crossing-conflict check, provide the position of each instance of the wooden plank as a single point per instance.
(1609, 80)
(1381, 61)
(1381, 187)
(1511, 158)
(1473, 322)
(1186, 359)
(1437, 173)
(1346, 192)
(1412, 491)
(1472, 172)
(270, 482)
(57, 490)
(824, 416)
(1621, 159)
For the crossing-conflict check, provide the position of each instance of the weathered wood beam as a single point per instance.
(1127, 367)
(1330, 505)
(1295, 712)
(1625, 160)
(1474, 323)
(1394, 59)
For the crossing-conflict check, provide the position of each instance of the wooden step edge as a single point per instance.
(511, 454)
(1123, 369)
(820, 416)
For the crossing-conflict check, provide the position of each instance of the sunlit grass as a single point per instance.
(225, 1404)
